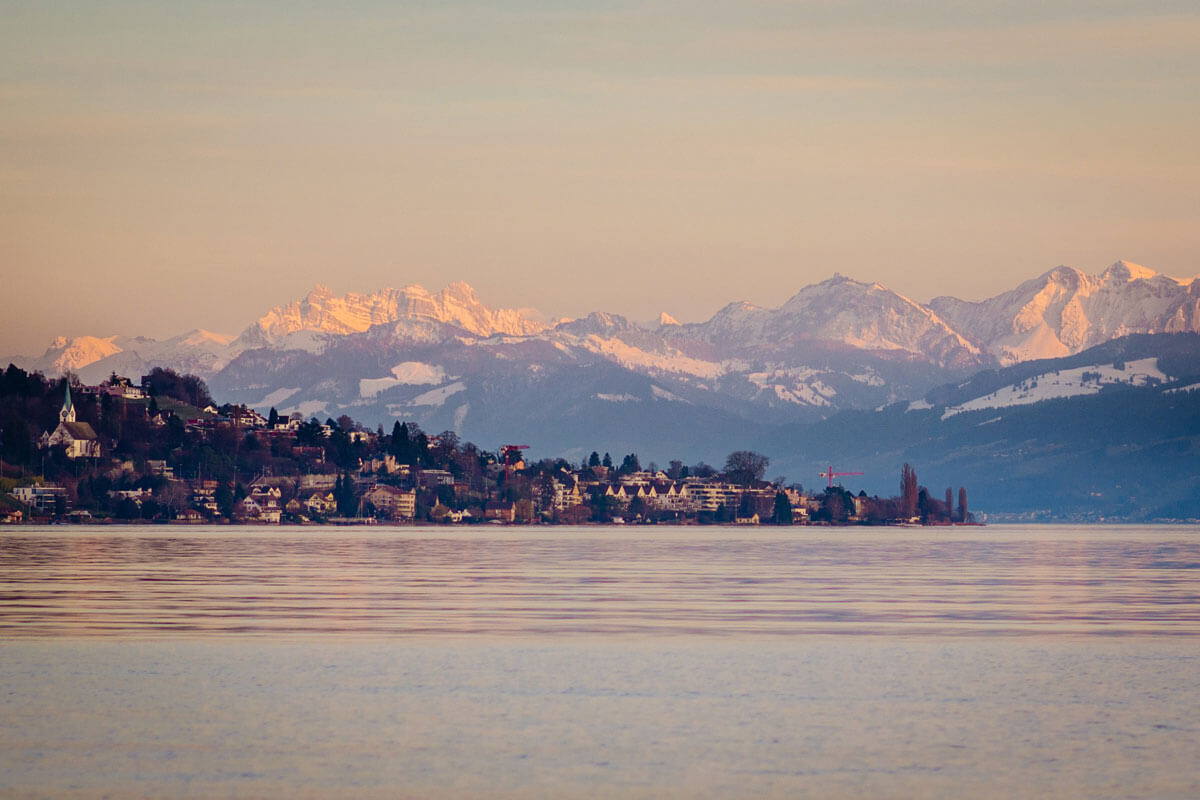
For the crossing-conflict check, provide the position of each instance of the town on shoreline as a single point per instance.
(161, 451)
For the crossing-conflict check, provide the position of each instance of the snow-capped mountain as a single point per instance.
(839, 311)
(93, 358)
(1066, 311)
(322, 314)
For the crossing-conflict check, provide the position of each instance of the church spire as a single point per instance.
(68, 410)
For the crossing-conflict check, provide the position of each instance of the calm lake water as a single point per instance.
(600, 662)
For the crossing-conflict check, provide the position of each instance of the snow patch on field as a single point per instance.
(417, 372)
(278, 396)
(1189, 388)
(438, 396)
(869, 378)
(1065, 383)
(407, 373)
(617, 398)
(663, 394)
(309, 408)
(460, 416)
(919, 405)
(798, 385)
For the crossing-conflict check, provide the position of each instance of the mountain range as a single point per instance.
(449, 362)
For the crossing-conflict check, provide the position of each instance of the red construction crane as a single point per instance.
(831, 475)
(509, 450)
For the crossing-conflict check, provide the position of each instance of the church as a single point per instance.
(79, 438)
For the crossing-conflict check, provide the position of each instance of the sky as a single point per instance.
(168, 165)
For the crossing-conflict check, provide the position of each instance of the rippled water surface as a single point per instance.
(729, 581)
(600, 662)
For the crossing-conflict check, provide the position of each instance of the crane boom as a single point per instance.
(831, 475)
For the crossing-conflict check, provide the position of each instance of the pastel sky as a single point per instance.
(168, 165)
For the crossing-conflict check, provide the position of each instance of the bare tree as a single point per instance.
(745, 467)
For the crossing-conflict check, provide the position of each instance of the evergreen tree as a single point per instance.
(273, 418)
(347, 501)
(745, 506)
(607, 461)
(908, 491)
(593, 459)
(783, 509)
(224, 499)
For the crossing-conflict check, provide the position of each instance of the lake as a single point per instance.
(600, 662)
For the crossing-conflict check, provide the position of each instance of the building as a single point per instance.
(505, 512)
(79, 438)
(392, 502)
(43, 497)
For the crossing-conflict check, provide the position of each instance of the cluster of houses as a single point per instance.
(380, 488)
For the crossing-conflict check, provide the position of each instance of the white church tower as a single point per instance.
(67, 412)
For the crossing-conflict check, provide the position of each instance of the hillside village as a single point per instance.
(160, 450)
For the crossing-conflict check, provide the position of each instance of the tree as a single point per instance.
(184, 388)
(637, 507)
(343, 493)
(606, 461)
(593, 459)
(224, 499)
(273, 418)
(745, 506)
(783, 509)
(630, 464)
(744, 467)
(18, 446)
(908, 491)
(962, 504)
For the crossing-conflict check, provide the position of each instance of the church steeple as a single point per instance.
(68, 410)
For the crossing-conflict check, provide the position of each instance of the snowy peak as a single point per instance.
(843, 312)
(322, 313)
(205, 339)
(665, 319)
(1126, 271)
(72, 355)
(595, 323)
(1066, 311)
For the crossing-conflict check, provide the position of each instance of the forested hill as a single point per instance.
(1118, 451)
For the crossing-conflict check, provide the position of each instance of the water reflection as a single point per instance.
(715, 581)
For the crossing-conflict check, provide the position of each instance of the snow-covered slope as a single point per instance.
(1057, 384)
(1066, 311)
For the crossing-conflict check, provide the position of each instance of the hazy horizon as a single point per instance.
(169, 166)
